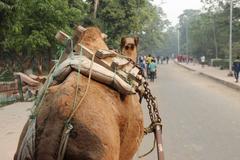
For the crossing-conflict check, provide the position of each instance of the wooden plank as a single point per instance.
(123, 67)
(133, 74)
(102, 53)
(62, 37)
(122, 74)
(119, 62)
(88, 53)
(68, 42)
(128, 68)
(78, 33)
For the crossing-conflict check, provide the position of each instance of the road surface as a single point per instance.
(201, 118)
(12, 120)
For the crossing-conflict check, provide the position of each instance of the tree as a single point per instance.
(119, 18)
(208, 31)
(7, 8)
(37, 22)
(219, 10)
(169, 46)
(28, 27)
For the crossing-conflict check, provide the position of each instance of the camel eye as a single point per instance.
(129, 46)
(132, 46)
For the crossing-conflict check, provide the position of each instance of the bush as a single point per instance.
(6, 75)
(222, 63)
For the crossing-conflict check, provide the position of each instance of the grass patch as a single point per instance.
(5, 100)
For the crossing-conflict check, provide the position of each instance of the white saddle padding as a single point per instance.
(99, 73)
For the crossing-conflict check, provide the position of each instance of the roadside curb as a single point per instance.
(190, 69)
(226, 83)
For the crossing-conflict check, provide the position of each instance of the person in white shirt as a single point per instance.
(203, 60)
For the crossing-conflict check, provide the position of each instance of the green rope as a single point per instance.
(27, 147)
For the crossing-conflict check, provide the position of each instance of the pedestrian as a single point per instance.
(158, 59)
(143, 67)
(202, 61)
(155, 58)
(152, 69)
(141, 58)
(167, 58)
(236, 68)
(161, 59)
(148, 61)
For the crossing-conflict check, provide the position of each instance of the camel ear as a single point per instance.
(136, 40)
(123, 41)
(104, 36)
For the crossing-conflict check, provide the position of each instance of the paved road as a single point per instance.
(201, 118)
(12, 120)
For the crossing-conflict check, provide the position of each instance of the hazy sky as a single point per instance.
(173, 8)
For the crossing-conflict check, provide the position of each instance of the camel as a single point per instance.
(107, 126)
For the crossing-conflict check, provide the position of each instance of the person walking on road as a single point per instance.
(148, 61)
(152, 69)
(202, 61)
(143, 67)
(158, 59)
(167, 58)
(236, 68)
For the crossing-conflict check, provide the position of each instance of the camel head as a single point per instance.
(93, 39)
(129, 47)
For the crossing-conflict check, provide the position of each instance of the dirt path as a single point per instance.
(12, 119)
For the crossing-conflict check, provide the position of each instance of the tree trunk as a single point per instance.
(96, 3)
(39, 65)
(215, 39)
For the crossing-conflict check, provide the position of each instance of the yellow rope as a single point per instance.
(64, 141)
(85, 93)
(150, 151)
(78, 78)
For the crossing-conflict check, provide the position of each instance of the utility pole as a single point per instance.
(187, 49)
(214, 37)
(187, 38)
(230, 40)
(178, 28)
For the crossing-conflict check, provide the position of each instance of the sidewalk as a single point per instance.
(212, 72)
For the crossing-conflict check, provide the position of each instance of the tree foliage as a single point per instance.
(208, 30)
(28, 27)
(170, 45)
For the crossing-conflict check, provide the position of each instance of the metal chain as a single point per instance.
(153, 113)
(151, 104)
(152, 109)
